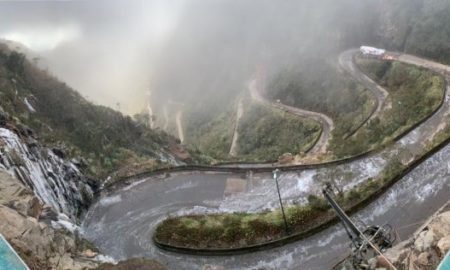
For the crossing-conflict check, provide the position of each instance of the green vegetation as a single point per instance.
(65, 120)
(232, 230)
(214, 138)
(309, 77)
(322, 88)
(414, 94)
(266, 133)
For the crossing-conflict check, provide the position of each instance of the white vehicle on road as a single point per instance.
(366, 50)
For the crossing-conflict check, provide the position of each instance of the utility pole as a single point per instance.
(276, 173)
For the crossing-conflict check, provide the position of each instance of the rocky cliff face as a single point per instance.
(427, 248)
(56, 182)
(39, 244)
(41, 196)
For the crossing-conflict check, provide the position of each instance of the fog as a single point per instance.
(104, 49)
(195, 52)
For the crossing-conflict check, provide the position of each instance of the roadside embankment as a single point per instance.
(38, 243)
(428, 245)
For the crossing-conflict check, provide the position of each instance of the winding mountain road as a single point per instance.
(326, 122)
(346, 61)
(121, 223)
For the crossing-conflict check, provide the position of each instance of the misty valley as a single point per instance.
(218, 135)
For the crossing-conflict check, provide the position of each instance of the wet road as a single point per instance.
(347, 63)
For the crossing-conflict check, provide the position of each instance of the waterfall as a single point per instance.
(58, 183)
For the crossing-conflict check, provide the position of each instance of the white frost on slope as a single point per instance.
(52, 179)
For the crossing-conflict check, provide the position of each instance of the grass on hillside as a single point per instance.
(266, 133)
(66, 120)
(215, 137)
(414, 93)
(322, 88)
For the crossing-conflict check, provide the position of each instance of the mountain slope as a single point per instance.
(65, 120)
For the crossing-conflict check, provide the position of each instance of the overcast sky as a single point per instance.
(104, 49)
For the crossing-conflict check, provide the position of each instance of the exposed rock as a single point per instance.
(79, 162)
(133, 264)
(372, 263)
(41, 246)
(425, 240)
(48, 214)
(38, 243)
(89, 253)
(444, 245)
(441, 225)
(427, 249)
(179, 151)
(31, 142)
(398, 253)
(212, 267)
(59, 153)
(66, 262)
(17, 196)
(57, 182)
(34, 207)
(424, 258)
